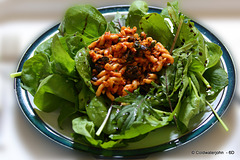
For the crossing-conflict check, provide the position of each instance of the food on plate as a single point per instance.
(124, 61)
(118, 80)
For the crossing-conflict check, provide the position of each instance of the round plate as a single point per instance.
(170, 137)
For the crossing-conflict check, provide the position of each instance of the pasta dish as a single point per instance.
(126, 60)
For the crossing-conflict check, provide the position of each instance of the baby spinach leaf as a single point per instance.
(83, 127)
(34, 71)
(213, 54)
(98, 142)
(84, 97)
(84, 19)
(82, 61)
(45, 48)
(65, 113)
(172, 12)
(137, 10)
(61, 61)
(97, 110)
(154, 26)
(218, 79)
(72, 43)
(192, 105)
(55, 91)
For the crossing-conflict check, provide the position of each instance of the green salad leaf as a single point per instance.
(53, 92)
(34, 71)
(66, 113)
(83, 67)
(85, 131)
(84, 19)
(192, 105)
(213, 54)
(61, 61)
(218, 79)
(45, 48)
(137, 10)
(154, 25)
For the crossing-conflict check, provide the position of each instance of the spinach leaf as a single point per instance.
(154, 25)
(84, 19)
(97, 110)
(34, 71)
(45, 48)
(137, 10)
(73, 43)
(84, 97)
(218, 79)
(65, 113)
(61, 61)
(83, 127)
(172, 12)
(213, 54)
(192, 105)
(54, 92)
(82, 61)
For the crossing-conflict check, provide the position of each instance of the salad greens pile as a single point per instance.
(58, 76)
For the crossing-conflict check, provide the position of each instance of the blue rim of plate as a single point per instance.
(36, 121)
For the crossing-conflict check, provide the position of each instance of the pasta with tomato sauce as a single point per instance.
(124, 61)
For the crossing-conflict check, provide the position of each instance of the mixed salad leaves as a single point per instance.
(58, 76)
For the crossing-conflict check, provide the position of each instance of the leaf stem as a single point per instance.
(16, 74)
(217, 116)
(204, 80)
(100, 129)
(194, 88)
(176, 36)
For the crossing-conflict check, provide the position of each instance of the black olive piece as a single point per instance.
(136, 44)
(94, 78)
(131, 72)
(143, 47)
(102, 60)
(131, 39)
